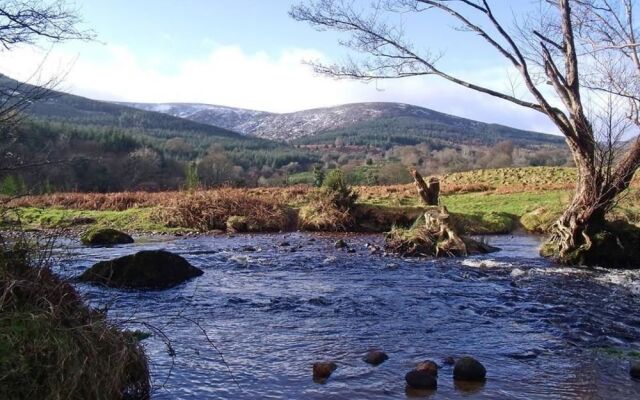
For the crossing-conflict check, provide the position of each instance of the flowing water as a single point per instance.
(542, 331)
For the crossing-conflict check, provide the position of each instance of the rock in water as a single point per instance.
(323, 370)
(469, 369)
(419, 379)
(156, 269)
(430, 367)
(105, 237)
(375, 357)
(341, 244)
(635, 370)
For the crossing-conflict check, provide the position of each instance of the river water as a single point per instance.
(270, 309)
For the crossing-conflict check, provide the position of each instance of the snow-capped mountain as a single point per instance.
(301, 124)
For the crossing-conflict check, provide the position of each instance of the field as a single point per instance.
(488, 201)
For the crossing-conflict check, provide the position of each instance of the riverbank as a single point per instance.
(483, 202)
(53, 346)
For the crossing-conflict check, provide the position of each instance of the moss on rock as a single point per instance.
(105, 237)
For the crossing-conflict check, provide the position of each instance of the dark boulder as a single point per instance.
(634, 371)
(156, 269)
(469, 369)
(105, 237)
(419, 379)
(429, 367)
(375, 357)
(323, 370)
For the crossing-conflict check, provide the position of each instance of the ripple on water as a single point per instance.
(540, 329)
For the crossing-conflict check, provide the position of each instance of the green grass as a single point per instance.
(133, 219)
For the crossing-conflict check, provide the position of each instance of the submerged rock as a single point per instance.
(155, 269)
(375, 357)
(430, 367)
(469, 369)
(449, 360)
(634, 371)
(420, 379)
(323, 370)
(341, 244)
(105, 237)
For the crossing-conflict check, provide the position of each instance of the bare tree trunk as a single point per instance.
(573, 235)
(429, 192)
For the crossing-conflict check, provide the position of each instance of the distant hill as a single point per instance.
(70, 109)
(359, 123)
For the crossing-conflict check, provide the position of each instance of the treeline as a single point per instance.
(385, 133)
(54, 155)
(48, 156)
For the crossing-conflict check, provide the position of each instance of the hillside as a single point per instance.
(91, 145)
(362, 123)
(71, 109)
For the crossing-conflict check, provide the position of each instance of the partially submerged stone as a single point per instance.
(430, 367)
(634, 370)
(469, 369)
(155, 269)
(323, 370)
(375, 357)
(420, 379)
(105, 237)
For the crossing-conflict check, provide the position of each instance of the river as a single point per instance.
(271, 305)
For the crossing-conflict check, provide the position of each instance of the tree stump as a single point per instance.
(438, 237)
(429, 192)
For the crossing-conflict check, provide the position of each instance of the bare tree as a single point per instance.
(565, 54)
(29, 22)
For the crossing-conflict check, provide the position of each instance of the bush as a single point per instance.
(211, 210)
(52, 346)
(338, 191)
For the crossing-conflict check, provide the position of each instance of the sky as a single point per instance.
(250, 54)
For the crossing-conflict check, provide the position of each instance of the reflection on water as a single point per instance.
(543, 332)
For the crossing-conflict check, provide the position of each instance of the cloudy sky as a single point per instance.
(250, 54)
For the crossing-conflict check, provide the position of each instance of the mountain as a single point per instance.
(352, 121)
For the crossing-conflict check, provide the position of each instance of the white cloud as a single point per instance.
(227, 75)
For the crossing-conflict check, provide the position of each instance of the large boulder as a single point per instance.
(105, 237)
(155, 269)
(469, 369)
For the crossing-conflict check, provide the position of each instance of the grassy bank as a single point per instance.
(487, 201)
(52, 346)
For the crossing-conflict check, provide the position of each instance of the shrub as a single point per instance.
(210, 210)
(52, 346)
(338, 191)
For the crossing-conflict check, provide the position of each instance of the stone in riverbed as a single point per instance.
(375, 357)
(429, 367)
(152, 269)
(323, 370)
(634, 371)
(449, 360)
(420, 379)
(105, 237)
(469, 369)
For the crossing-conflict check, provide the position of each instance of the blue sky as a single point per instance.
(249, 53)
